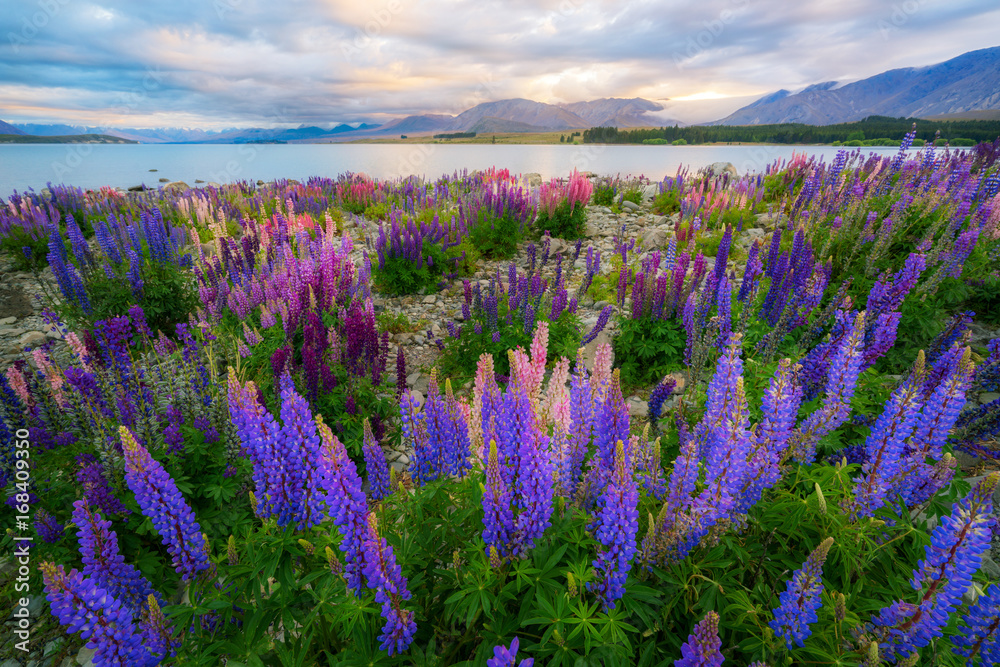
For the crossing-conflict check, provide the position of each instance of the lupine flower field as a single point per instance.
(203, 455)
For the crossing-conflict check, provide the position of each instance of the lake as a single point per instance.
(24, 166)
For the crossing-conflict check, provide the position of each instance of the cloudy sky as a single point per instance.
(225, 63)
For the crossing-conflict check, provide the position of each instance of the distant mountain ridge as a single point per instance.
(967, 83)
(7, 128)
(511, 115)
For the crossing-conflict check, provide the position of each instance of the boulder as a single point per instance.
(653, 237)
(533, 179)
(717, 169)
(630, 206)
(32, 339)
(176, 185)
(650, 191)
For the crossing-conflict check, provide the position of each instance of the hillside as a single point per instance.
(968, 83)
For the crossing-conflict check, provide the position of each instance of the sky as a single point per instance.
(217, 64)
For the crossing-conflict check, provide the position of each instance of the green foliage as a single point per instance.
(565, 223)
(394, 322)
(399, 275)
(379, 211)
(658, 141)
(667, 203)
(168, 295)
(16, 239)
(647, 349)
(679, 142)
(496, 238)
(604, 193)
(460, 356)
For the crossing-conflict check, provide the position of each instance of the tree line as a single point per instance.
(873, 127)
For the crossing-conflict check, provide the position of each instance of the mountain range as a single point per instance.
(967, 86)
(956, 87)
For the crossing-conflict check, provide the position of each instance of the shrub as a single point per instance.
(562, 209)
(667, 202)
(495, 216)
(138, 262)
(415, 256)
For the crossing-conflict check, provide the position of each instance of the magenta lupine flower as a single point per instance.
(703, 648)
(162, 502)
(504, 656)
(103, 562)
(346, 504)
(385, 576)
(97, 616)
(980, 636)
(617, 527)
(375, 463)
(800, 599)
(954, 554)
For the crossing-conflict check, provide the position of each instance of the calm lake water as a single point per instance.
(24, 166)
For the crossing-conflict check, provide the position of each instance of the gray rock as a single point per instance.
(8, 320)
(175, 185)
(12, 332)
(988, 397)
(430, 298)
(651, 190)
(412, 378)
(638, 408)
(630, 206)
(717, 169)
(653, 237)
(164, 180)
(32, 339)
(534, 179)
(417, 397)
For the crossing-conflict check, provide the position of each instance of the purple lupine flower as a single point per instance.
(384, 575)
(533, 489)
(954, 554)
(498, 515)
(884, 448)
(504, 656)
(47, 527)
(836, 408)
(296, 489)
(97, 615)
(375, 463)
(602, 321)
(96, 490)
(618, 525)
(103, 561)
(980, 636)
(162, 502)
(346, 504)
(800, 599)
(703, 648)
(446, 448)
(661, 392)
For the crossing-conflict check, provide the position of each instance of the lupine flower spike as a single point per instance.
(703, 648)
(801, 598)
